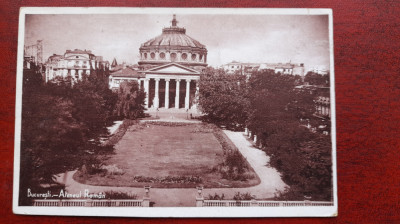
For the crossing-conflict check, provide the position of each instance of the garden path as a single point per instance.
(271, 181)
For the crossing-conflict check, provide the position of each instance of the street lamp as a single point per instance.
(147, 190)
(199, 191)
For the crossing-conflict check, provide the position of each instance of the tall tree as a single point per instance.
(302, 157)
(130, 103)
(224, 98)
(314, 78)
(270, 95)
(61, 123)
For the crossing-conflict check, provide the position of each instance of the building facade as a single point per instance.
(322, 103)
(74, 63)
(169, 69)
(125, 73)
(247, 68)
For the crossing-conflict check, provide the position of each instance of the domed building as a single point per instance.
(173, 46)
(171, 64)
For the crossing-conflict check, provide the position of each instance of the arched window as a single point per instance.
(173, 56)
(162, 55)
(184, 56)
(201, 57)
(145, 55)
(152, 55)
(194, 56)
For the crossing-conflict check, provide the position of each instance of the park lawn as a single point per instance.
(156, 151)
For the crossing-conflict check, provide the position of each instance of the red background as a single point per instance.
(366, 49)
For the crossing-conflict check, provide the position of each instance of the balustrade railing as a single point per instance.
(88, 203)
(256, 203)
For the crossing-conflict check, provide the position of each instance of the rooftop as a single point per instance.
(173, 36)
(127, 72)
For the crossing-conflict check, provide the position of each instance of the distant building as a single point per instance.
(125, 73)
(29, 62)
(114, 63)
(322, 70)
(322, 103)
(322, 100)
(74, 63)
(247, 68)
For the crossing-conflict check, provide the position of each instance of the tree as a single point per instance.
(93, 104)
(314, 78)
(130, 103)
(303, 158)
(224, 98)
(270, 94)
(61, 124)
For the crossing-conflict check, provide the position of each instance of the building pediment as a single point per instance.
(172, 68)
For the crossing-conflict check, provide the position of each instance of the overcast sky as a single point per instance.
(244, 38)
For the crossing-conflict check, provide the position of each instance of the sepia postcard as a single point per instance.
(175, 112)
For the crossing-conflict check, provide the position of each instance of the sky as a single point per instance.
(244, 38)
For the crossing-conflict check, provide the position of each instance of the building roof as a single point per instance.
(78, 51)
(127, 72)
(55, 57)
(114, 63)
(173, 36)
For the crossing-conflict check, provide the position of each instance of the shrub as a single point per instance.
(168, 179)
(235, 161)
(119, 195)
(242, 196)
(215, 197)
(112, 169)
(93, 169)
(114, 139)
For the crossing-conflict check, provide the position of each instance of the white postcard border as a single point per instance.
(303, 211)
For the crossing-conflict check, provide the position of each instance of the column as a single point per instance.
(139, 83)
(167, 93)
(47, 74)
(146, 89)
(187, 94)
(177, 94)
(156, 99)
(196, 96)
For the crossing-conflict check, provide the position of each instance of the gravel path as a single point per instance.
(176, 197)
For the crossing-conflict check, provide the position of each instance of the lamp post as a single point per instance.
(199, 197)
(146, 198)
(200, 191)
(147, 190)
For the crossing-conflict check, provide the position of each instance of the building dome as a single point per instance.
(173, 45)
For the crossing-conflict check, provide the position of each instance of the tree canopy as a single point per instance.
(272, 108)
(130, 103)
(314, 78)
(224, 98)
(62, 123)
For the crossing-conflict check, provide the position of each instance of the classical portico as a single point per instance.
(171, 86)
(171, 64)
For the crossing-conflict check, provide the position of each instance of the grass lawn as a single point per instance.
(154, 151)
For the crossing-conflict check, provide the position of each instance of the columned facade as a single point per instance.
(171, 91)
(171, 64)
